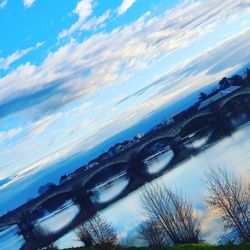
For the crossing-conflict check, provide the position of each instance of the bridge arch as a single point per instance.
(194, 124)
(141, 151)
(47, 198)
(106, 171)
(107, 183)
(236, 110)
(226, 100)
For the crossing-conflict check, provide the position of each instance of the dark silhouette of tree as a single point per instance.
(247, 76)
(229, 198)
(237, 80)
(126, 242)
(63, 178)
(84, 235)
(45, 188)
(152, 233)
(224, 83)
(173, 213)
(202, 96)
(97, 232)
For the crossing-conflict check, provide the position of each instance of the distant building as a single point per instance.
(168, 121)
(139, 135)
(104, 156)
(93, 162)
(115, 149)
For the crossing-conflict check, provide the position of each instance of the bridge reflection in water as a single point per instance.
(110, 189)
(10, 238)
(84, 196)
(59, 218)
(157, 162)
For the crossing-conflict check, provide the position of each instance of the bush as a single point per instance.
(97, 232)
(229, 198)
(173, 214)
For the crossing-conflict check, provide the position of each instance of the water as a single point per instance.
(109, 190)
(232, 153)
(10, 239)
(240, 119)
(55, 221)
(158, 162)
(196, 143)
(49, 223)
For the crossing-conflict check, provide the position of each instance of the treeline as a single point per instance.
(170, 218)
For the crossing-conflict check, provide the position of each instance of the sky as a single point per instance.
(75, 73)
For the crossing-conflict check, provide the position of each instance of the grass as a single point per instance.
(245, 246)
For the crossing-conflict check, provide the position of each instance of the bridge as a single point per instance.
(214, 115)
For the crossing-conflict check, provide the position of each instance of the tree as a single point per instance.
(97, 232)
(45, 188)
(237, 80)
(247, 76)
(202, 96)
(63, 178)
(229, 198)
(151, 232)
(126, 242)
(173, 213)
(224, 83)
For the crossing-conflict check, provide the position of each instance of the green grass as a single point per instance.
(245, 246)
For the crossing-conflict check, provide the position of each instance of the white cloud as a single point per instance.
(126, 4)
(83, 9)
(95, 22)
(40, 126)
(6, 135)
(39, 165)
(3, 4)
(28, 3)
(108, 58)
(6, 62)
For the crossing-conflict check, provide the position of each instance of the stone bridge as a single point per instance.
(240, 92)
(171, 135)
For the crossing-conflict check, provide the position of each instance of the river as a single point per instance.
(231, 152)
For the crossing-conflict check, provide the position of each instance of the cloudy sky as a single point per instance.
(74, 73)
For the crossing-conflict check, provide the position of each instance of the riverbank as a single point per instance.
(245, 246)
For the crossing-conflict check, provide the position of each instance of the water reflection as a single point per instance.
(11, 239)
(58, 219)
(198, 142)
(158, 162)
(239, 120)
(232, 153)
(111, 188)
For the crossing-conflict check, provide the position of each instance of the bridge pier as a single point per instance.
(246, 106)
(177, 145)
(221, 121)
(85, 204)
(27, 231)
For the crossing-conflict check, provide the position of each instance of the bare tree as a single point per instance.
(84, 236)
(173, 213)
(126, 242)
(150, 232)
(229, 198)
(97, 232)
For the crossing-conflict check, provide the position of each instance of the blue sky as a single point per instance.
(74, 73)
